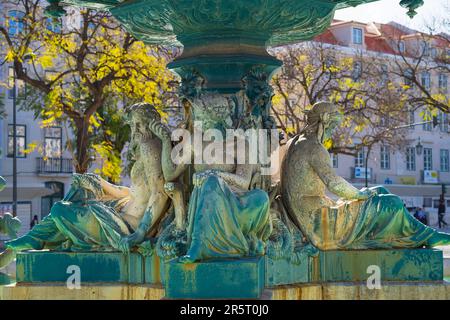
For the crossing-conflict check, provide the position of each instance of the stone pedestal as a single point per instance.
(95, 267)
(353, 266)
(283, 271)
(44, 266)
(5, 279)
(340, 273)
(216, 279)
(394, 265)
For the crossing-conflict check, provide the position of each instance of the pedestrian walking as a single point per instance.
(441, 212)
(421, 215)
(34, 222)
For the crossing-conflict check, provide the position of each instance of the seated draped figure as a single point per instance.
(360, 219)
(96, 215)
(228, 217)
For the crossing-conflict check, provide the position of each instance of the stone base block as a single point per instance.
(215, 279)
(439, 290)
(153, 270)
(394, 265)
(5, 279)
(48, 291)
(325, 291)
(46, 266)
(283, 271)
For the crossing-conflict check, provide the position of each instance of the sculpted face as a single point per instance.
(137, 124)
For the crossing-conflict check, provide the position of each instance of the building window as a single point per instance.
(330, 62)
(443, 123)
(48, 201)
(21, 87)
(411, 118)
(411, 159)
(444, 160)
(425, 80)
(53, 142)
(427, 159)
(385, 158)
(334, 160)
(424, 49)
(15, 22)
(53, 25)
(384, 74)
(427, 202)
(360, 158)
(434, 52)
(443, 82)
(408, 77)
(357, 70)
(357, 36)
(427, 117)
(11, 79)
(21, 140)
(401, 46)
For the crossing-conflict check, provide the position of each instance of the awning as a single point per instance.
(25, 192)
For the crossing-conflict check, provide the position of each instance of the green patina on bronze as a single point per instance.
(361, 219)
(223, 39)
(225, 71)
(45, 266)
(395, 265)
(215, 279)
(9, 225)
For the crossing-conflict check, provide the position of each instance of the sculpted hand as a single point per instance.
(159, 130)
(365, 193)
(128, 242)
(199, 178)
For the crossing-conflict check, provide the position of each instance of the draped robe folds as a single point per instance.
(380, 222)
(226, 224)
(81, 218)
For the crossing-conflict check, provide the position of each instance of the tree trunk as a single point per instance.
(81, 155)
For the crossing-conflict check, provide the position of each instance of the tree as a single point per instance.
(422, 61)
(83, 72)
(372, 108)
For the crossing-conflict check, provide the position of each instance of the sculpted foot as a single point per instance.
(439, 239)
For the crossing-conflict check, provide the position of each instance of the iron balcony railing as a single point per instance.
(54, 165)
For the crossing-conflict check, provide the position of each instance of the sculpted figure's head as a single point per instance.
(212, 111)
(84, 187)
(138, 116)
(322, 119)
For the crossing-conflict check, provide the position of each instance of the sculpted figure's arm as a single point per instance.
(170, 170)
(320, 162)
(241, 178)
(117, 192)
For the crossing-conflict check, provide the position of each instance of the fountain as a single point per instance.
(230, 233)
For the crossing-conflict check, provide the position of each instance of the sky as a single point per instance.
(389, 10)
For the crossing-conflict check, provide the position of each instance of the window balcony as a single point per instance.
(54, 166)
